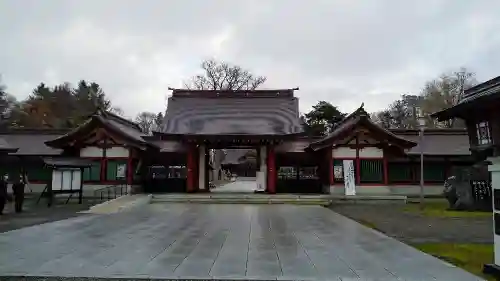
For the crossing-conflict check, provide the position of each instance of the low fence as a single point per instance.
(109, 193)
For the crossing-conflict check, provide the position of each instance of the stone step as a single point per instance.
(241, 200)
(240, 195)
(252, 198)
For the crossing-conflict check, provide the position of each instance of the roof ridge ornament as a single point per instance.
(361, 110)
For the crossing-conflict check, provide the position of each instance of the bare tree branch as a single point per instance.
(223, 76)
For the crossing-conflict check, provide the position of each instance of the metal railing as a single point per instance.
(109, 192)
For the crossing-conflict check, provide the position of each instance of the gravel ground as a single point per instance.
(411, 227)
(34, 213)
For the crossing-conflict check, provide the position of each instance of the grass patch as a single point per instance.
(470, 257)
(438, 208)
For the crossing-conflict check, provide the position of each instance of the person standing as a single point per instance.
(18, 189)
(3, 193)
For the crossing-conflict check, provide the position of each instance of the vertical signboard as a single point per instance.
(349, 178)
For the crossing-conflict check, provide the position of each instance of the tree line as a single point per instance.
(404, 113)
(59, 107)
(66, 106)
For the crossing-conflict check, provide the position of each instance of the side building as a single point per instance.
(180, 157)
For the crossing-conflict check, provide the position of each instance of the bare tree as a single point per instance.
(446, 91)
(116, 110)
(146, 121)
(224, 76)
(401, 114)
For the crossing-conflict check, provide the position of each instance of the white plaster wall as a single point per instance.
(201, 176)
(117, 151)
(367, 152)
(343, 152)
(371, 152)
(91, 151)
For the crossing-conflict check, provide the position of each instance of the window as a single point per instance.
(116, 170)
(483, 133)
(308, 173)
(372, 171)
(93, 173)
(433, 172)
(287, 173)
(39, 174)
(338, 169)
(399, 172)
(177, 172)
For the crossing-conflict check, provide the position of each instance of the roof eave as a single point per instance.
(62, 141)
(97, 120)
(362, 120)
(9, 150)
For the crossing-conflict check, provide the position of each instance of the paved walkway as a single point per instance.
(246, 185)
(217, 241)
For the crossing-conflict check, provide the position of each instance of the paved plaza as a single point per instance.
(283, 242)
(240, 185)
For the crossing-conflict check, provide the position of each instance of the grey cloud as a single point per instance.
(345, 52)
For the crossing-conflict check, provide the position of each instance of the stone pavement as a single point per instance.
(246, 185)
(283, 242)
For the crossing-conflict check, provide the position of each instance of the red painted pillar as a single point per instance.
(357, 163)
(191, 169)
(386, 171)
(271, 170)
(330, 166)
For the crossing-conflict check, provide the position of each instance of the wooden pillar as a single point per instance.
(271, 170)
(104, 163)
(191, 169)
(386, 170)
(330, 166)
(358, 163)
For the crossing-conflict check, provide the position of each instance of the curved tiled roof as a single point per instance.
(127, 129)
(252, 113)
(32, 141)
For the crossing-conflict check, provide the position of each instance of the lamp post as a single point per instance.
(421, 124)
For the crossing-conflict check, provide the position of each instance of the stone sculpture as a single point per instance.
(458, 193)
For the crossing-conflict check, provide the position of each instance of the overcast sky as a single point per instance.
(342, 51)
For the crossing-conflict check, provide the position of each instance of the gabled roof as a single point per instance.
(486, 91)
(237, 113)
(122, 127)
(437, 142)
(360, 118)
(32, 141)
